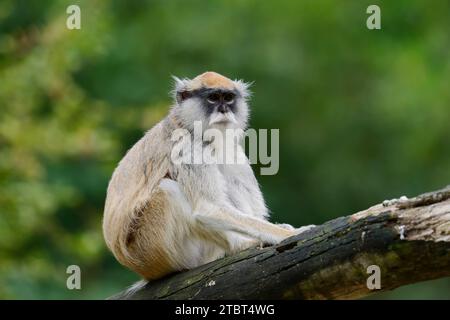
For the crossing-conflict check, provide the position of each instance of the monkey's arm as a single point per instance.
(220, 219)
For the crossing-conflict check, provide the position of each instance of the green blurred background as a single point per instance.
(363, 115)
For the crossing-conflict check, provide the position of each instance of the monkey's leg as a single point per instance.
(191, 243)
(188, 246)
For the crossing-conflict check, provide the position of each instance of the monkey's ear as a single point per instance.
(178, 82)
(243, 88)
(180, 91)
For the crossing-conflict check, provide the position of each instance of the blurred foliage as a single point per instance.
(363, 115)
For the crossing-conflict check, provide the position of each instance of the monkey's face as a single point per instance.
(212, 99)
(214, 107)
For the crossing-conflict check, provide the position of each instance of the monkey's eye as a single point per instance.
(213, 97)
(228, 97)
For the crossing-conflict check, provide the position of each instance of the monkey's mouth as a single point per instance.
(222, 118)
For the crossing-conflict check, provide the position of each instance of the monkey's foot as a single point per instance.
(387, 203)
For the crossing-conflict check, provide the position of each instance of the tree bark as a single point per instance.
(409, 240)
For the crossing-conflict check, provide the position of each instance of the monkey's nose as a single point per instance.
(223, 108)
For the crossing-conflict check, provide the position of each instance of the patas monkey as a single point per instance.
(162, 217)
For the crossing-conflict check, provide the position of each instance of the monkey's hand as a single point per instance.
(286, 226)
(304, 228)
(295, 230)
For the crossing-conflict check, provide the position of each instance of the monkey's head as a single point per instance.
(213, 99)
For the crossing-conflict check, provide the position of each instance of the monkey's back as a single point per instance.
(135, 217)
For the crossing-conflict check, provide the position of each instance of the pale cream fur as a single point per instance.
(160, 217)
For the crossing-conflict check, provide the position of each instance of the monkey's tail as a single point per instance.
(131, 290)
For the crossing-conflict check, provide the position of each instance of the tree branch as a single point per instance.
(409, 241)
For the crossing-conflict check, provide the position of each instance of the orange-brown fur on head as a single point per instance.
(212, 79)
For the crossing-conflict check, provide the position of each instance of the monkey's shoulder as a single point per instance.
(144, 164)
